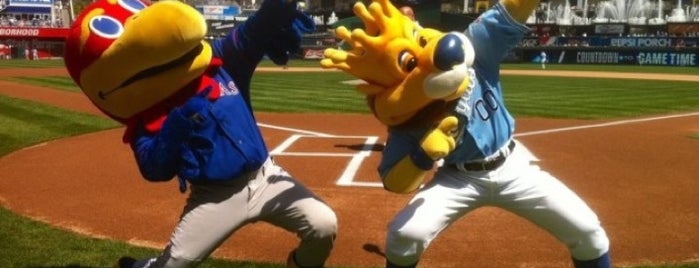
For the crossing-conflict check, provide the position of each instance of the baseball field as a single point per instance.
(625, 138)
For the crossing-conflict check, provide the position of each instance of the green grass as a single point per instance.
(306, 92)
(554, 97)
(21, 63)
(25, 123)
(605, 68)
(28, 243)
(587, 98)
(57, 82)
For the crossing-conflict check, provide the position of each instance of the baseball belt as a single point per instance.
(486, 165)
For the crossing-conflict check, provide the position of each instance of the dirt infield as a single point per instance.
(639, 175)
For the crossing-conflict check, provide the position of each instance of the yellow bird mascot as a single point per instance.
(186, 104)
(441, 98)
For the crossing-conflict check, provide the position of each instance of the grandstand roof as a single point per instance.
(27, 9)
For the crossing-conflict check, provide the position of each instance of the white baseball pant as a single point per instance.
(214, 211)
(518, 186)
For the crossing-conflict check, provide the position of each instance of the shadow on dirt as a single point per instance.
(362, 147)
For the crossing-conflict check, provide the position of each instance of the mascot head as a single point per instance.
(407, 68)
(128, 55)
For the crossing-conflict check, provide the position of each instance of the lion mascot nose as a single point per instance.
(449, 52)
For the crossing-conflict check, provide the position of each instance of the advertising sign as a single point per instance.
(15, 32)
(618, 56)
(604, 41)
(668, 58)
(218, 12)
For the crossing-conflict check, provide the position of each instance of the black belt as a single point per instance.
(486, 165)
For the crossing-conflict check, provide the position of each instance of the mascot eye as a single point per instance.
(422, 41)
(106, 27)
(132, 5)
(407, 61)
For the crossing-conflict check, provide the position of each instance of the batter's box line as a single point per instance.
(348, 175)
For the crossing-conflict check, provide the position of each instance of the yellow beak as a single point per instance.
(160, 51)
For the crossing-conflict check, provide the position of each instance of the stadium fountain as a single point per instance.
(641, 12)
(688, 14)
(562, 14)
(633, 12)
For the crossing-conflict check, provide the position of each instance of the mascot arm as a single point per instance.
(158, 154)
(405, 177)
(520, 9)
(409, 173)
(276, 28)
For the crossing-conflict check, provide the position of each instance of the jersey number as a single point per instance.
(486, 105)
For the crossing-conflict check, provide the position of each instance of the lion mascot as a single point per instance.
(413, 76)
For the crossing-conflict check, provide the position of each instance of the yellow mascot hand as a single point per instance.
(406, 177)
(439, 142)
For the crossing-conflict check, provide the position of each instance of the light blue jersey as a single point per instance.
(484, 122)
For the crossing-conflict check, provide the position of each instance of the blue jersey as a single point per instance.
(224, 142)
(485, 124)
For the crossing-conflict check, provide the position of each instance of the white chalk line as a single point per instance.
(348, 175)
(607, 124)
(308, 132)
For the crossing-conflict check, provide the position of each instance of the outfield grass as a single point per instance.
(21, 63)
(588, 98)
(557, 97)
(56, 82)
(27, 243)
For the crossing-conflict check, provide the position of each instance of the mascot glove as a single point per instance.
(275, 14)
(287, 40)
(440, 141)
(193, 109)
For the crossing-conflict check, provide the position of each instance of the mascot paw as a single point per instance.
(287, 40)
(194, 106)
(281, 14)
(439, 142)
(279, 25)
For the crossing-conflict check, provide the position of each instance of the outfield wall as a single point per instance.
(664, 51)
(610, 55)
